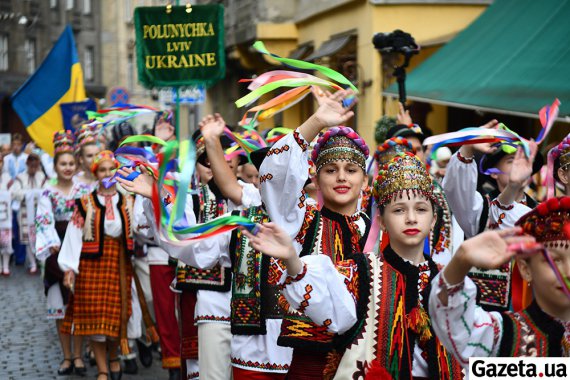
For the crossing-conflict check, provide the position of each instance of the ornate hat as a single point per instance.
(560, 156)
(390, 148)
(340, 144)
(404, 173)
(547, 221)
(63, 142)
(403, 130)
(105, 155)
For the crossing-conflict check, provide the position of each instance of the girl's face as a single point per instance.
(88, 153)
(105, 170)
(340, 183)
(204, 172)
(545, 286)
(65, 166)
(250, 174)
(408, 221)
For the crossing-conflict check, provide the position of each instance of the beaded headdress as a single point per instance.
(547, 222)
(390, 148)
(63, 142)
(340, 144)
(105, 155)
(405, 173)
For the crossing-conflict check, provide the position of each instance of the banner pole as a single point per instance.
(177, 107)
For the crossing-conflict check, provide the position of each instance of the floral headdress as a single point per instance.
(105, 155)
(63, 142)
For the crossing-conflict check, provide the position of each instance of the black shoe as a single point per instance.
(79, 370)
(174, 374)
(130, 366)
(63, 371)
(145, 354)
(115, 375)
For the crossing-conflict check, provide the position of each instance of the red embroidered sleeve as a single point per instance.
(349, 270)
(77, 218)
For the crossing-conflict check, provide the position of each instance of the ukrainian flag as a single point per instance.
(59, 79)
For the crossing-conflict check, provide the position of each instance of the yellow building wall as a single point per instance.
(425, 23)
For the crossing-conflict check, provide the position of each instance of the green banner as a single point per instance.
(180, 48)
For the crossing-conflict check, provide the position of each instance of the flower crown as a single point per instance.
(548, 221)
(105, 155)
(63, 142)
(340, 144)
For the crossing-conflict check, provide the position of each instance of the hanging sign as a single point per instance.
(180, 48)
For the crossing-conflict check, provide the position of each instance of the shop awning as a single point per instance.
(515, 58)
(330, 47)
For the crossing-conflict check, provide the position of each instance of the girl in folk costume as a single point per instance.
(374, 304)
(87, 147)
(26, 190)
(541, 329)
(95, 257)
(55, 208)
(337, 230)
(6, 249)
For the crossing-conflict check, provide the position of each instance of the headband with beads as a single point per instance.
(340, 144)
(105, 155)
(391, 147)
(405, 173)
(549, 222)
(63, 142)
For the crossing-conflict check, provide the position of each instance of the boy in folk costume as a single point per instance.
(374, 305)
(55, 208)
(96, 259)
(541, 329)
(6, 249)
(26, 189)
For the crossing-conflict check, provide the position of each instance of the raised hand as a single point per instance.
(521, 169)
(212, 126)
(141, 185)
(164, 130)
(271, 240)
(489, 249)
(331, 111)
(403, 116)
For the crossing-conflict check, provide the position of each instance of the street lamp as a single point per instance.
(402, 43)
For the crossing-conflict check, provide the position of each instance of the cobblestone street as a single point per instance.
(29, 344)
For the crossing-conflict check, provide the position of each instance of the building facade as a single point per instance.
(29, 29)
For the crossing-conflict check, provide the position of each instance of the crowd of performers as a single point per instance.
(404, 275)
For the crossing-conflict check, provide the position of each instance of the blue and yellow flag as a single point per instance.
(59, 79)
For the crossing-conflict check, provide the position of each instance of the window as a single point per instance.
(128, 9)
(89, 65)
(86, 7)
(3, 52)
(53, 3)
(30, 49)
(70, 4)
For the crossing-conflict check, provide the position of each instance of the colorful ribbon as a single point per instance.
(547, 116)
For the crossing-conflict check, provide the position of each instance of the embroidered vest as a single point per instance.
(208, 204)
(93, 213)
(495, 286)
(254, 298)
(337, 236)
(531, 332)
(385, 337)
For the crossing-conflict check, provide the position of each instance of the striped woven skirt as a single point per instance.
(101, 304)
